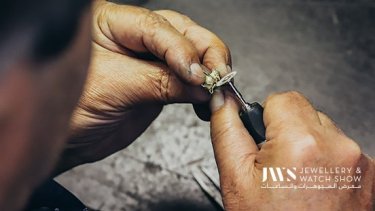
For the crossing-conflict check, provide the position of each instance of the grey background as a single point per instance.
(324, 49)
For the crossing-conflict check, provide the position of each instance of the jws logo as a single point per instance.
(279, 174)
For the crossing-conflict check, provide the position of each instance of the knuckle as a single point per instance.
(352, 151)
(186, 18)
(152, 21)
(164, 88)
(290, 96)
(303, 146)
(181, 16)
(271, 98)
(158, 78)
(310, 141)
(220, 49)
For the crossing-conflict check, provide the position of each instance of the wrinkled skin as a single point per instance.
(297, 136)
(142, 60)
(125, 92)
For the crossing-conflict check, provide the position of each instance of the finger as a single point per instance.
(203, 42)
(148, 81)
(142, 30)
(211, 49)
(328, 123)
(215, 56)
(213, 52)
(231, 142)
(288, 111)
(173, 90)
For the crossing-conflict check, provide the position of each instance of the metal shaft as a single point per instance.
(238, 95)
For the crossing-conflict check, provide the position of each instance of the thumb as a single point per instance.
(233, 146)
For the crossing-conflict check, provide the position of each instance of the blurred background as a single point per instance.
(322, 48)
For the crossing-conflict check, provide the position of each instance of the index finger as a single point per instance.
(288, 113)
(211, 49)
(142, 30)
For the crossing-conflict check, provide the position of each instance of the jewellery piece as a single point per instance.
(213, 80)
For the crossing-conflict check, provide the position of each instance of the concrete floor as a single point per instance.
(324, 49)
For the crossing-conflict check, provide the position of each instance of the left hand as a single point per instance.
(125, 93)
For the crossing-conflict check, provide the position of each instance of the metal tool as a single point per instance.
(251, 115)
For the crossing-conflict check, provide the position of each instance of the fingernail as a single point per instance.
(217, 100)
(197, 70)
(229, 69)
(223, 70)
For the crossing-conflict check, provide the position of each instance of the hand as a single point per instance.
(297, 136)
(125, 90)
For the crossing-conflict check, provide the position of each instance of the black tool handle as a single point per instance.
(252, 118)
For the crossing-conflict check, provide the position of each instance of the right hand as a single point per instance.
(297, 136)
